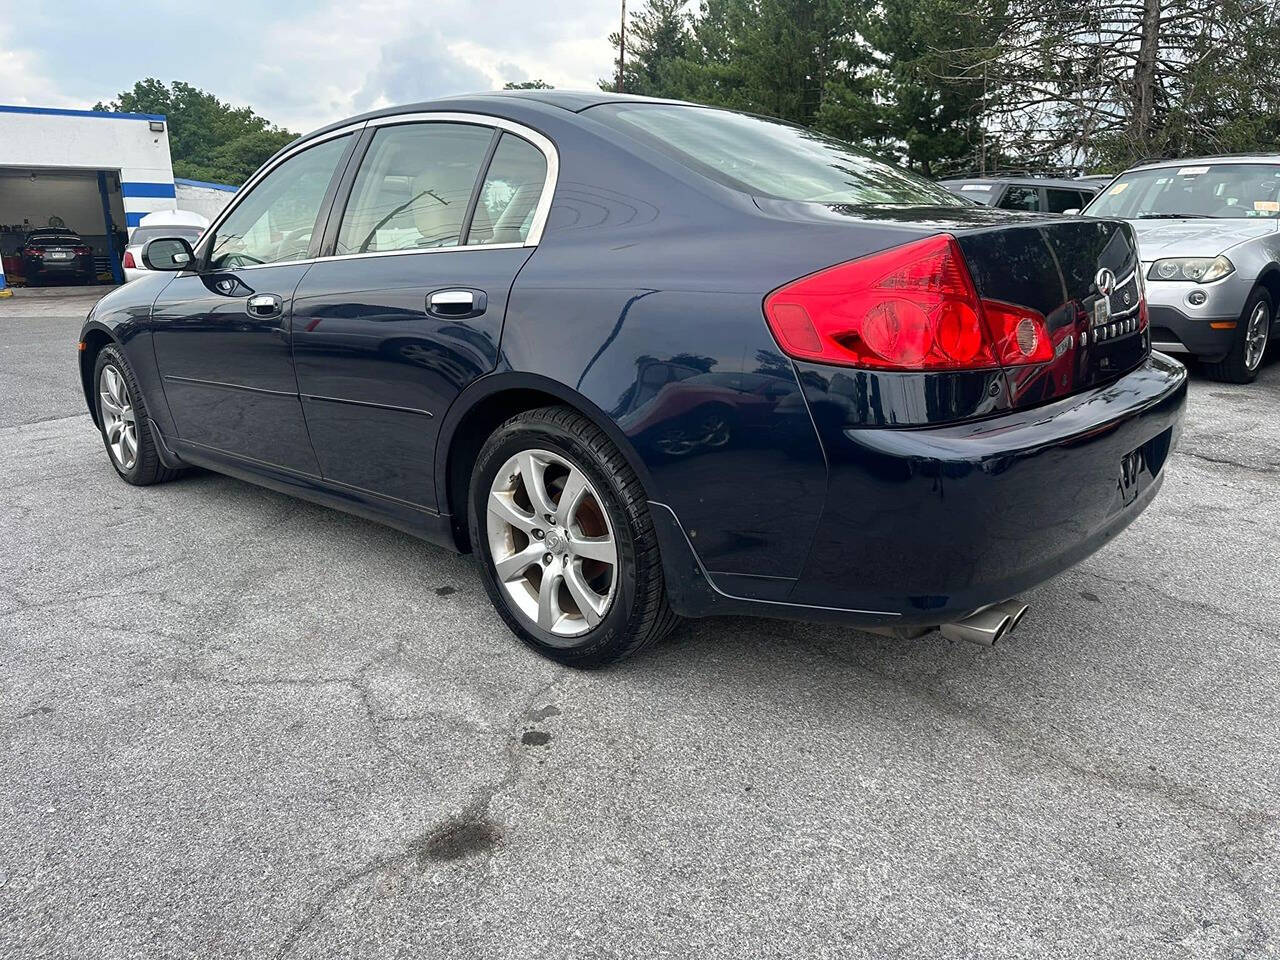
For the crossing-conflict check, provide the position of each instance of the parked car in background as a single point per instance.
(1035, 194)
(162, 223)
(1209, 231)
(652, 359)
(56, 255)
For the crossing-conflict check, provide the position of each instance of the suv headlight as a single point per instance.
(1195, 269)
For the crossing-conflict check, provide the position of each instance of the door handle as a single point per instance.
(458, 303)
(264, 305)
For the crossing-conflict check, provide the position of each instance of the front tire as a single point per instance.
(561, 528)
(122, 420)
(1253, 333)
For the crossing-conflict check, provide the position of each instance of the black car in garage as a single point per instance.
(56, 254)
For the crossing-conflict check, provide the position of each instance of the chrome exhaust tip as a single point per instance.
(1016, 610)
(985, 628)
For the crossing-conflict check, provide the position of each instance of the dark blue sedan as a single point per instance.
(646, 360)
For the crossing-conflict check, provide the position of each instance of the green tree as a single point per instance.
(208, 139)
(657, 49)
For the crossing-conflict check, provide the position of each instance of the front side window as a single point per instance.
(275, 221)
(510, 193)
(413, 188)
(1226, 190)
(770, 158)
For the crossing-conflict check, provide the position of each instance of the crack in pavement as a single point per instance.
(475, 810)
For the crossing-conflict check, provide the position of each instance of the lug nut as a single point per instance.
(546, 558)
(538, 534)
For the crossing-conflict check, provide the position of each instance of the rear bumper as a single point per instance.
(923, 526)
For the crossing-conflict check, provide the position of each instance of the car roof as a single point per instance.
(1222, 159)
(572, 101)
(1023, 182)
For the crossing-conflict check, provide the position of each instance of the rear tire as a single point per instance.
(582, 582)
(122, 421)
(1253, 334)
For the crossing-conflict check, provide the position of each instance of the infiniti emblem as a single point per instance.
(554, 542)
(1106, 281)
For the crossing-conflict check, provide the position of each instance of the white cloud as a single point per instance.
(303, 64)
(25, 84)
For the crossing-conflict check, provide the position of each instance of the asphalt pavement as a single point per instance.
(235, 724)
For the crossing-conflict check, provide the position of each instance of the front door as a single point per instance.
(222, 332)
(388, 332)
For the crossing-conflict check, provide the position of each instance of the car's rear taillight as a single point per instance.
(910, 308)
(128, 260)
(82, 251)
(34, 252)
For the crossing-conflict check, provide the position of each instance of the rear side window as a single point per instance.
(1021, 198)
(1062, 200)
(275, 220)
(413, 187)
(770, 158)
(510, 193)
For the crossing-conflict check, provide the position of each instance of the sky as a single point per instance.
(300, 64)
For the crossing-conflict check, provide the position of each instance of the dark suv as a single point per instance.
(1034, 194)
(53, 254)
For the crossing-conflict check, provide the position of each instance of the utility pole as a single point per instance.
(622, 46)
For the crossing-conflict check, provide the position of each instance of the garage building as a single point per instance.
(92, 172)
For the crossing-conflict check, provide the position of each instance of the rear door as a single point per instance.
(424, 243)
(221, 333)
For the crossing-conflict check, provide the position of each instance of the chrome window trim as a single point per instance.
(540, 213)
(244, 191)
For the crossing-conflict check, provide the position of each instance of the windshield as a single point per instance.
(186, 232)
(977, 192)
(770, 158)
(1226, 190)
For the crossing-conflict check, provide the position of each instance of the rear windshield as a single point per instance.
(1218, 190)
(61, 240)
(770, 158)
(143, 234)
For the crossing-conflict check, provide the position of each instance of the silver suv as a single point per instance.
(1209, 233)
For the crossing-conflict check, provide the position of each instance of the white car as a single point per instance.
(162, 223)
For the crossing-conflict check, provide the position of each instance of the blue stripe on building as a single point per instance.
(146, 189)
(58, 112)
(133, 219)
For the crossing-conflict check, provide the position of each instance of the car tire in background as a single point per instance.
(1249, 346)
(122, 421)
(561, 527)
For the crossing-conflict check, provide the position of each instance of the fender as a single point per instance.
(506, 380)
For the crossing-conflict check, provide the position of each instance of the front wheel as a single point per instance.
(1253, 333)
(561, 528)
(122, 419)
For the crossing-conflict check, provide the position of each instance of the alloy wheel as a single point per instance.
(1255, 336)
(119, 423)
(551, 543)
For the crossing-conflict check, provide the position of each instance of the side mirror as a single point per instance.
(1073, 212)
(167, 253)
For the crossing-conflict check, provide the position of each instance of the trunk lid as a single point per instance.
(1085, 277)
